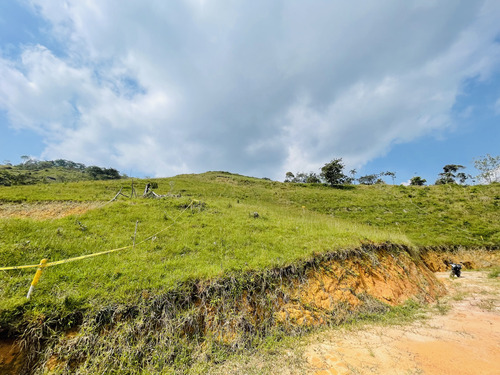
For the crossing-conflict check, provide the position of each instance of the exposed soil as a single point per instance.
(45, 210)
(438, 261)
(342, 286)
(10, 357)
(464, 340)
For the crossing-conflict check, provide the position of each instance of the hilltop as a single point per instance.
(34, 171)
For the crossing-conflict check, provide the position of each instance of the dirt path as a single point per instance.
(464, 340)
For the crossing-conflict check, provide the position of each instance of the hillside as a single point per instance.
(35, 171)
(212, 226)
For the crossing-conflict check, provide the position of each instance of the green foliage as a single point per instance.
(98, 173)
(33, 171)
(450, 175)
(494, 273)
(301, 177)
(417, 181)
(390, 174)
(370, 179)
(333, 173)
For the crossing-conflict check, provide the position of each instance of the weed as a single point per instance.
(494, 273)
(442, 307)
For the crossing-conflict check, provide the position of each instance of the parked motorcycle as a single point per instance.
(456, 269)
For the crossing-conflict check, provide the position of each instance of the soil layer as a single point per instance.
(230, 312)
(465, 340)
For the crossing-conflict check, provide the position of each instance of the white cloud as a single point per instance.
(251, 87)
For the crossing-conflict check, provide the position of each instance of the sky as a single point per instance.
(157, 88)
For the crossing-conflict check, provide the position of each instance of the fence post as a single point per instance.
(136, 223)
(37, 277)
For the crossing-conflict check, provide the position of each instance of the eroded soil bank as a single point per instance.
(462, 340)
(204, 320)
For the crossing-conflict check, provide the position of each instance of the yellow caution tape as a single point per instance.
(85, 256)
(18, 267)
(64, 260)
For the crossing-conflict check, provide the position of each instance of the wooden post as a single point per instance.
(146, 189)
(133, 193)
(116, 196)
(136, 223)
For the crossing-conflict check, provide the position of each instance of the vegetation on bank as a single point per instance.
(221, 232)
(209, 226)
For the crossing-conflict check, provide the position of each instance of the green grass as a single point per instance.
(494, 273)
(15, 175)
(220, 236)
(204, 242)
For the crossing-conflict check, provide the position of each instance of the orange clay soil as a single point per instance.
(45, 210)
(339, 288)
(11, 358)
(465, 340)
(438, 261)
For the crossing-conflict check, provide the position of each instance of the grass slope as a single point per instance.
(218, 234)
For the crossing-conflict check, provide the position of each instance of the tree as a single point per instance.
(489, 166)
(289, 176)
(392, 175)
(417, 181)
(353, 174)
(313, 178)
(333, 174)
(449, 176)
(369, 179)
(302, 178)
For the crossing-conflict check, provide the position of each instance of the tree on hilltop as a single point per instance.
(333, 173)
(450, 175)
(417, 181)
(489, 166)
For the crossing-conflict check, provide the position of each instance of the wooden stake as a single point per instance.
(116, 196)
(136, 223)
(36, 278)
(133, 193)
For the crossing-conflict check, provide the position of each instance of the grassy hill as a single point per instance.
(236, 223)
(208, 226)
(45, 172)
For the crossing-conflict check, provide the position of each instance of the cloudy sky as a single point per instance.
(261, 87)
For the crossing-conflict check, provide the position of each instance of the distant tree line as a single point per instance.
(332, 173)
(30, 171)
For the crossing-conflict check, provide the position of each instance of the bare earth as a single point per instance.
(45, 210)
(465, 340)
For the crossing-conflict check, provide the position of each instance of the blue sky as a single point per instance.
(260, 88)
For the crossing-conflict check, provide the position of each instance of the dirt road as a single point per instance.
(463, 340)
